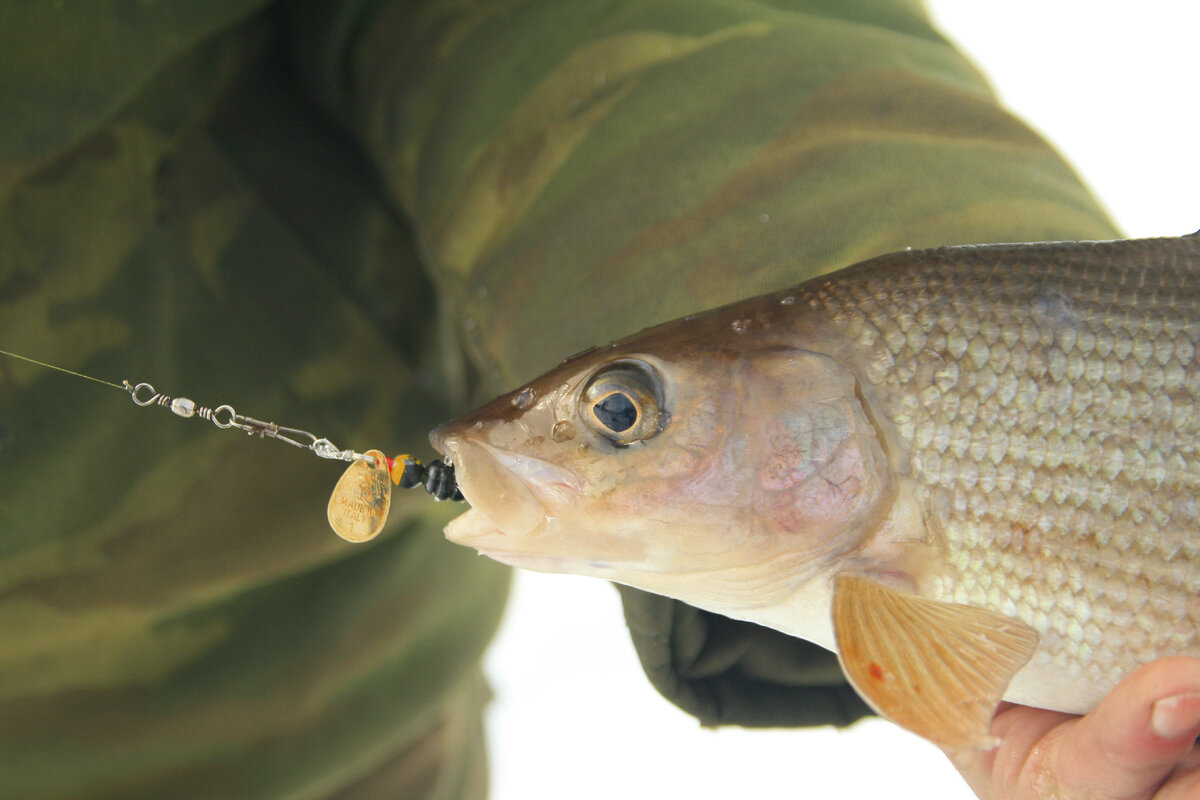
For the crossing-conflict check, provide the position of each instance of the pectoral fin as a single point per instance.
(937, 669)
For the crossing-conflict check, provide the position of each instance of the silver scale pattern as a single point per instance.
(1050, 403)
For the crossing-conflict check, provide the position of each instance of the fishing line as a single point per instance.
(359, 504)
(61, 369)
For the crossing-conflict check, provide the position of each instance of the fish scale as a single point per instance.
(1049, 410)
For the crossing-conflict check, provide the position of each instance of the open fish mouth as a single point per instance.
(513, 516)
(511, 495)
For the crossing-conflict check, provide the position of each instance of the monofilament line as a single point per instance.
(61, 369)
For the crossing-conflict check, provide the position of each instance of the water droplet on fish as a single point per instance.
(470, 324)
(1052, 308)
(787, 301)
(601, 78)
(563, 431)
(740, 325)
(764, 217)
(524, 399)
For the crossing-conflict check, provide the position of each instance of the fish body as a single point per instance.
(971, 471)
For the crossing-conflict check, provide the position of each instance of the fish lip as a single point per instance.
(474, 529)
(514, 494)
(439, 438)
(536, 473)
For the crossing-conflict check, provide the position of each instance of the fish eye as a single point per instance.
(623, 403)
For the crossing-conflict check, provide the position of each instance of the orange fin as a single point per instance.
(360, 501)
(937, 669)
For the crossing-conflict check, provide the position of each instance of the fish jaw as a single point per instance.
(513, 491)
(474, 529)
(522, 506)
(507, 492)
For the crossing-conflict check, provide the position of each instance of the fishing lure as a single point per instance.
(359, 505)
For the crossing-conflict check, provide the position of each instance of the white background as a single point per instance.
(1113, 85)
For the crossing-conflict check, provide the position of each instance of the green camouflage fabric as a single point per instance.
(177, 620)
(357, 218)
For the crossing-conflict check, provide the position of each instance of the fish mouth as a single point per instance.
(473, 529)
(512, 496)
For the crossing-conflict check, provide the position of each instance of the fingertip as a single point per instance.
(1165, 694)
(1176, 716)
(1158, 702)
(1141, 730)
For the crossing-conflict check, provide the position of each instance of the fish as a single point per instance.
(970, 471)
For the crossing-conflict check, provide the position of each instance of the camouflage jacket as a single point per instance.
(357, 218)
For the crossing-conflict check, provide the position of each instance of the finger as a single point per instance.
(996, 772)
(1191, 760)
(1130, 743)
(1184, 784)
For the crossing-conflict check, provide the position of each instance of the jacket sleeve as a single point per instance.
(176, 618)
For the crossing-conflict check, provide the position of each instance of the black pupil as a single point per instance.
(616, 412)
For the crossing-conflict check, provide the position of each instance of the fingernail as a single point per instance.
(1174, 716)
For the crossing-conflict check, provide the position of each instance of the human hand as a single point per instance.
(1139, 743)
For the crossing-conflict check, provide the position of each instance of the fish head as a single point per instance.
(719, 472)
